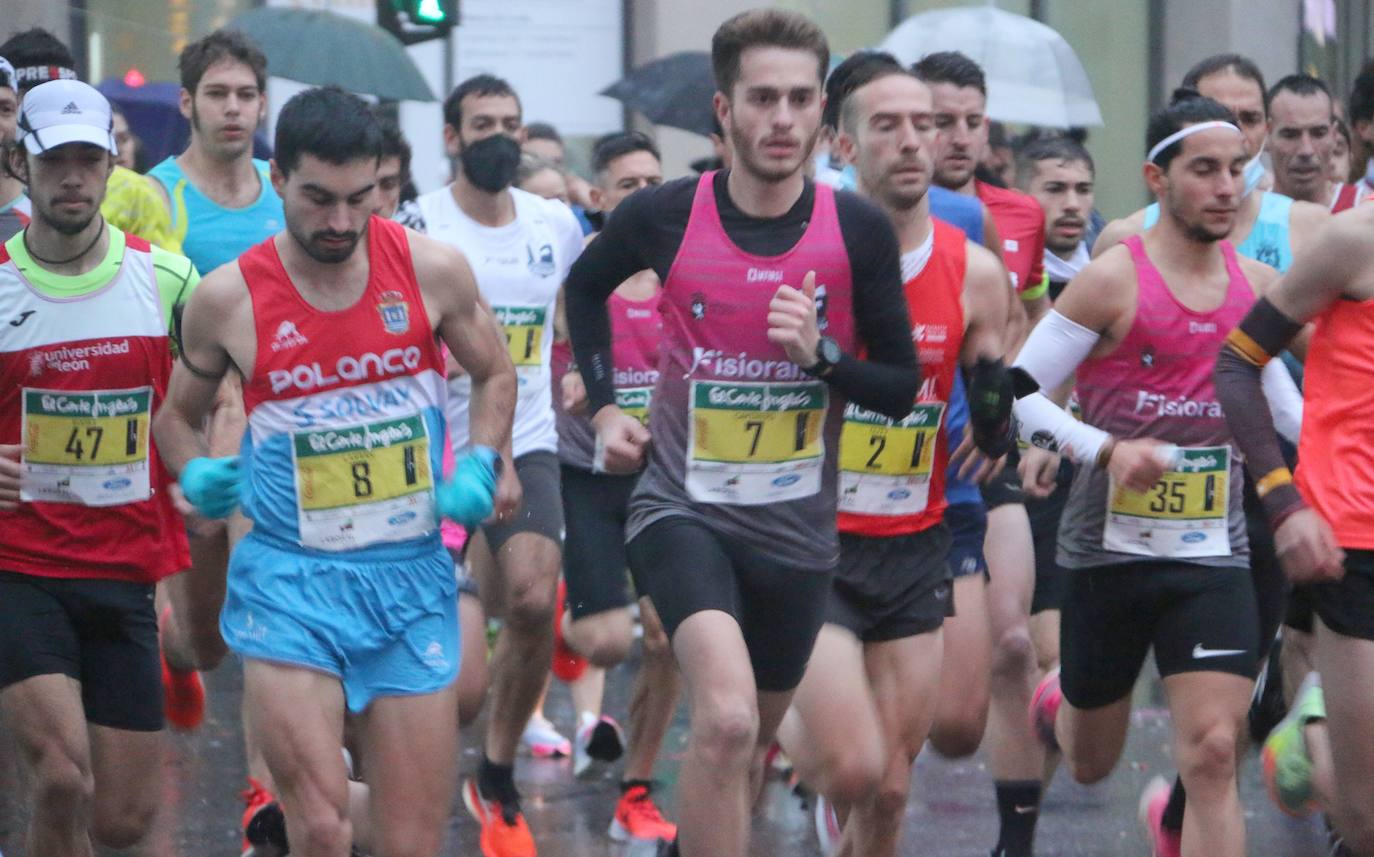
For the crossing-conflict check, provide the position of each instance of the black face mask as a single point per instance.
(490, 163)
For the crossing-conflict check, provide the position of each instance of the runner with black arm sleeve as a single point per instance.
(771, 285)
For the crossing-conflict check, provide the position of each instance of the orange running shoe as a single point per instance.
(568, 665)
(638, 818)
(504, 832)
(183, 692)
(258, 801)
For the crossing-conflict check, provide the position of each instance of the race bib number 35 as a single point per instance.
(1185, 513)
(755, 443)
(885, 466)
(524, 328)
(88, 448)
(364, 484)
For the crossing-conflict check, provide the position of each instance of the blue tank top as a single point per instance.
(1268, 241)
(211, 234)
(956, 209)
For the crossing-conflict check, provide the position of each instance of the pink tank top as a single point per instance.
(636, 329)
(742, 437)
(1158, 384)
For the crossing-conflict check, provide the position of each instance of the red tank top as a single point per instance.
(345, 408)
(1336, 452)
(80, 379)
(1021, 225)
(892, 474)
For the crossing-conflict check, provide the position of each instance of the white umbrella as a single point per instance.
(1033, 75)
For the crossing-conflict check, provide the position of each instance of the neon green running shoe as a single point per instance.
(1287, 764)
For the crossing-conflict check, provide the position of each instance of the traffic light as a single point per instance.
(414, 21)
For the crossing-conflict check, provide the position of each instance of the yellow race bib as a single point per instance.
(86, 447)
(885, 466)
(1184, 514)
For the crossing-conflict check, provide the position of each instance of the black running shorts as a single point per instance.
(893, 587)
(1346, 606)
(1197, 619)
(103, 633)
(541, 507)
(1005, 487)
(684, 568)
(595, 507)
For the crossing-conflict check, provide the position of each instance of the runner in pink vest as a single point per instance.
(771, 285)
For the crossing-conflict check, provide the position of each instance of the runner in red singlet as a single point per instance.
(871, 685)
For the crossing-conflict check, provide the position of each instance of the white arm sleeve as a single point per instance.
(1046, 425)
(1285, 401)
(1054, 349)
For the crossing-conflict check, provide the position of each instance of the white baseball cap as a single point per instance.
(7, 76)
(65, 111)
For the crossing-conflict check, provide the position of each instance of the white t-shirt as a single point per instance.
(519, 269)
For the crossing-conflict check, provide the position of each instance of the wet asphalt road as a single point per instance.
(951, 811)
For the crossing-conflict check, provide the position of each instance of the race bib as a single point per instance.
(755, 443)
(885, 466)
(524, 329)
(87, 448)
(635, 401)
(1184, 515)
(363, 484)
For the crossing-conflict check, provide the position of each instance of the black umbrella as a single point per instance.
(675, 91)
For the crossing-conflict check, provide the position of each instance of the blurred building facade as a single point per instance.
(561, 52)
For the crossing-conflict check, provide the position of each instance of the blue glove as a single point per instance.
(467, 498)
(212, 485)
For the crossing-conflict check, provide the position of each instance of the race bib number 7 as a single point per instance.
(1183, 515)
(363, 484)
(88, 448)
(755, 443)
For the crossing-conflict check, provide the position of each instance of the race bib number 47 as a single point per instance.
(88, 448)
(755, 443)
(1184, 515)
(363, 484)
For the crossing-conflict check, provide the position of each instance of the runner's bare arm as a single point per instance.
(985, 306)
(1305, 221)
(1117, 231)
(217, 308)
(463, 322)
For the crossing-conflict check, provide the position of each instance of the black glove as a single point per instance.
(990, 396)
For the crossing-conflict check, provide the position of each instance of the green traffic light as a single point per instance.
(430, 12)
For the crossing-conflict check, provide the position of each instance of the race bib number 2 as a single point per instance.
(364, 484)
(755, 443)
(87, 448)
(1183, 515)
(885, 466)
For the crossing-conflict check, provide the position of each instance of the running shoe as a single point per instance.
(637, 818)
(1287, 766)
(504, 831)
(264, 825)
(568, 666)
(827, 826)
(543, 740)
(1044, 708)
(598, 739)
(183, 692)
(1150, 813)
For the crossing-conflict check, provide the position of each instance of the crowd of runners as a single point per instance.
(869, 451)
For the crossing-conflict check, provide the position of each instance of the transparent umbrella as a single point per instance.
(1033, 75)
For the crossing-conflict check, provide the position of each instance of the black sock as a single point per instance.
(1172, 819)
(1018, 805)
(626, 785)
(497, 782)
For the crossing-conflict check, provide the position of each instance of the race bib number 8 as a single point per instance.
(755, 443)
(524, 329)
(885, 466)
(363, 484)
(1183, 515)
(88, 448)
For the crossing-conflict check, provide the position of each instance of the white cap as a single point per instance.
(65, 111)
(7, 76)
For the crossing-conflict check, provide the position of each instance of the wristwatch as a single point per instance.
(828, 353)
